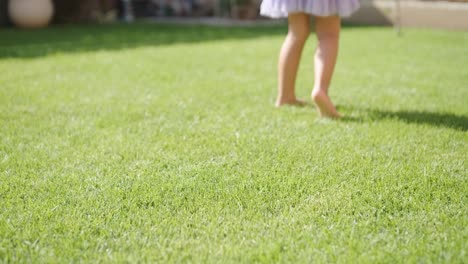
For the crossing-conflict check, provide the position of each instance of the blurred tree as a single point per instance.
(71, 11)
(3, 12)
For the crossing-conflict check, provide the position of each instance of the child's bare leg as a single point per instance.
(298, 32)
(328, 34)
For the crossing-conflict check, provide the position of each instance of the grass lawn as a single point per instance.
(159, 143)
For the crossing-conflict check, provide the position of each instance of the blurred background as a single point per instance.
(452, 14)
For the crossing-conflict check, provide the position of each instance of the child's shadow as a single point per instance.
(444, 120)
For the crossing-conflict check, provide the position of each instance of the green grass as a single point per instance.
(152, 143)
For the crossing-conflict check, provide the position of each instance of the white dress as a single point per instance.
(281, 8)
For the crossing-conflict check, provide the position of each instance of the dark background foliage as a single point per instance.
(82, 10)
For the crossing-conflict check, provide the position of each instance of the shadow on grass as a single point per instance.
(84, 38)
(443, 120)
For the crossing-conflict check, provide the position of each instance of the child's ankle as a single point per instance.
(317, 93)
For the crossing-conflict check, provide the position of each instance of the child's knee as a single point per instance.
(300, 34)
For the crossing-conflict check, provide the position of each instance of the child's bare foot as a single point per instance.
(296, 102)
(325, 105)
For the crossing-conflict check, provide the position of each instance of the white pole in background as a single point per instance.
(398, 17)
(128, 11)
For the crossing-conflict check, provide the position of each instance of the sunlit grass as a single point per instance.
(149, 143)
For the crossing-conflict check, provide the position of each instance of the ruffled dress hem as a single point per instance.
(282, 8)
